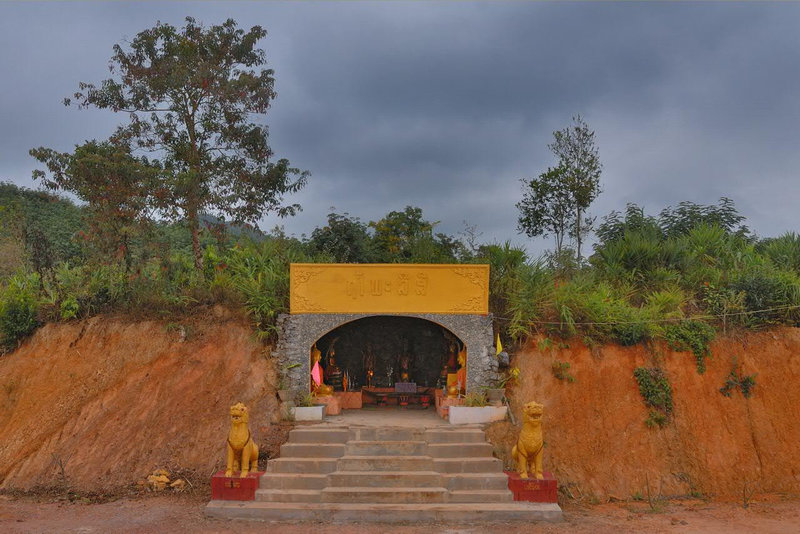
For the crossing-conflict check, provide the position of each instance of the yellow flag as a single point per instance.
(499, 345)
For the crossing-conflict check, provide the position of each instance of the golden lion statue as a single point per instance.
(530, 445)
(242, 450)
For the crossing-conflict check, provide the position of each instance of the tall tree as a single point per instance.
(547, 206)
(192, 96)
(577, 155)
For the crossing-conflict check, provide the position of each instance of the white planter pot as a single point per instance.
(308, 413)
(463, 415)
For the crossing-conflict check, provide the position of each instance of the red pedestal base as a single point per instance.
(234, 488)
(532, 489)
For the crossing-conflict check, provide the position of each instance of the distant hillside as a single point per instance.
(27, 215)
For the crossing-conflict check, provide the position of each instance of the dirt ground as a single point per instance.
(184, 513)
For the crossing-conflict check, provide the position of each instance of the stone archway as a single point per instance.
(299, 332)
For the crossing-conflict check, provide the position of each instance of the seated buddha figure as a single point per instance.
(333, 375)
(318, 386)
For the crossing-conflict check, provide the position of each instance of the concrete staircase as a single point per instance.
(385, 474)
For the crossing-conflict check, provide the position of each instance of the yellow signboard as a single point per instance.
(388, 288)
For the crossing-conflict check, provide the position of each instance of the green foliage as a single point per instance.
(476, 399)
(547, 206)
(344, 239)
(688, 215)
(305, 400)
(545, 344)
(745, 384)
(691, 335)
(38, 230)
(556, 202)
(530, 297)
(577, 154)
(507, 266)
(510, 376)
(69, 308)
(259, 273)
(656, 392)
(614, 227)
(18, 308)
(766, 288)
(561, 371)
(656, 418)
(117, 186)
(406, 237)
(783, 251)
(192, 95)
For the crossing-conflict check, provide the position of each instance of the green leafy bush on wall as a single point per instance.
(745, 384)
(691, 335)
(561, 371)
(656, 392)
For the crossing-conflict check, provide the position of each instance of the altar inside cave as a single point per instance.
(384, 353)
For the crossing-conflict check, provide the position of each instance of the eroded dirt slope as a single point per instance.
(109, 400)
(598, 444)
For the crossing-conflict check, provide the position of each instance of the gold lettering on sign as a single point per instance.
(388, 288)
(402, 285)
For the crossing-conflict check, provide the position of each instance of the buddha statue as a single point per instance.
(318, 386)
(404, 364)
(333, 375)
(368, 362)
(461, 374)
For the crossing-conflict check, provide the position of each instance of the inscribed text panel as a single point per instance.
(388, 288)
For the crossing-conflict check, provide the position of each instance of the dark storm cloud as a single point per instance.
(447, 105)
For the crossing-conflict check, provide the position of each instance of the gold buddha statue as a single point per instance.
(333, 375)
(321, 389)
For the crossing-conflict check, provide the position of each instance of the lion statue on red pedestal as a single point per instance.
(242, 450)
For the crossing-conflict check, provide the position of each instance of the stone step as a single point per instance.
(282, 495)
(459, 450)
(461, 435)
(358, 494)
(386, 448)
(312, 450)
(481, 496)
(419, 513)
(292, 481)
(302, 465)
(319, 435)
(475, 481)
(385, 463)
(386, 434)
(468, 465)
(386, 479)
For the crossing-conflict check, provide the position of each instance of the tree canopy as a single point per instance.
(555, 203)
(117, 187)
(193, 96)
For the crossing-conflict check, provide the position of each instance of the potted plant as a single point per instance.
(306, 408)
(476, 410)
(495, 394)
(284, 393)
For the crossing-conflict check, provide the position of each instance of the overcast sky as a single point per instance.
(446, 105)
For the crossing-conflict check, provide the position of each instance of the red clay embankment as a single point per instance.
(598, 444)
(111, 399)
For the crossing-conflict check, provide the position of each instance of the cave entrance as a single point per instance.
(389, 360)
